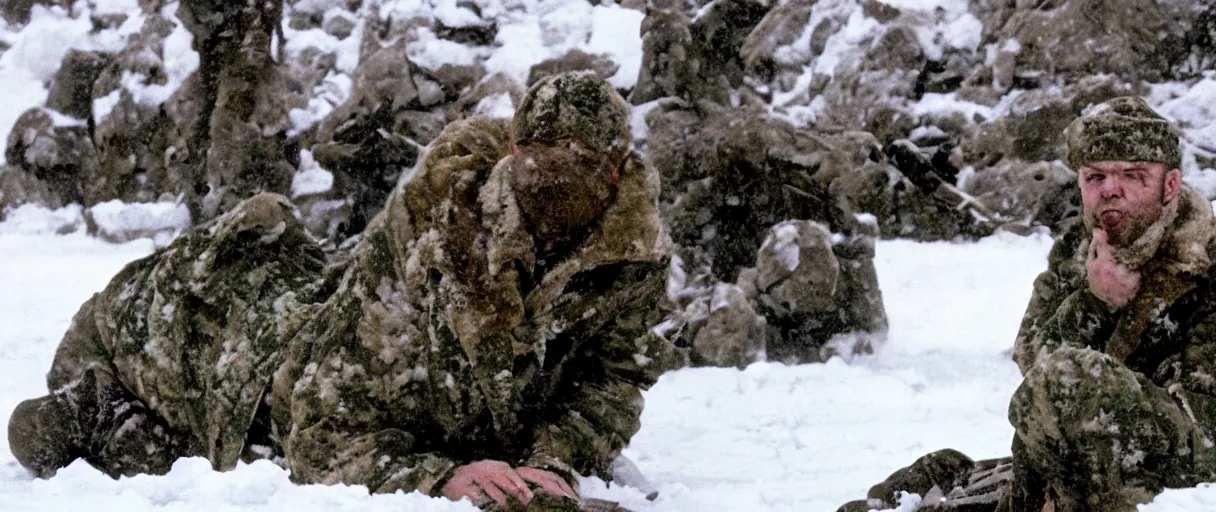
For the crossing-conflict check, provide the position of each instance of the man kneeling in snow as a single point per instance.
(488, 338)
(1118, 344)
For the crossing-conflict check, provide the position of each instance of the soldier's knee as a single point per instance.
(40, 435)
(1067, 370)
(1055, 390)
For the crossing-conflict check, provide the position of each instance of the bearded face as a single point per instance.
(562, 189)
(1124, 198)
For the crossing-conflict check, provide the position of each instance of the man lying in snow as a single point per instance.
(1118, 344)
(488, 338)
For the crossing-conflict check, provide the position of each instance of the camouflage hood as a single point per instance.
(458, 215)
(630, 230)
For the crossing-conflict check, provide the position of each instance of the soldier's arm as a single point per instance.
(599, 409)
(1081, 321)
(1051, 289)
(1193, 385)
(340, 432)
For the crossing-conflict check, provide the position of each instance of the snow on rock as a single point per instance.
(941, 105)
(846, 42)
(1193, 109)
(38, 49)
(784, 242)
(431, 52)
(496, 105)
(118, 222)
(32, 219)
(311, 178)
(45, 40)
(334, 90)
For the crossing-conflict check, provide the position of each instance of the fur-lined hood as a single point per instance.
(458, 216)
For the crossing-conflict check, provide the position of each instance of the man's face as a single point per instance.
(1125, 198)
(561, 187)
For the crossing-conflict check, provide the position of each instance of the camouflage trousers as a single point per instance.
(1090, 433)
(1097, 436)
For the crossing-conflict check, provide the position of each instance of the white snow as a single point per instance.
(964, 32)
(31, 219)
(27, 68)
(858, 28)
(938, 104)
(334, 90)
(637, 120)
(496, 106)
(1191, 108)
(616, 32)
(452, 15)
(163, 221)
(431, 52)
(783, 241)
(193, 486)
(311, 178)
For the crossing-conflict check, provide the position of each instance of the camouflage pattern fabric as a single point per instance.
(1115, 405)
(175, 356)
(451, 339)
(446, 337)
(1126, 129)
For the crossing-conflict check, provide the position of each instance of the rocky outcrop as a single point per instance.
(1142, 38)
(54, 149)
(18, 11)
(18, 187)
(810, 295)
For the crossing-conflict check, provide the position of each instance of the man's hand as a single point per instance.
(548, 481)
(1109, 280)
(493, 478)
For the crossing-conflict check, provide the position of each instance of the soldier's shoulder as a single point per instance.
(479, 136)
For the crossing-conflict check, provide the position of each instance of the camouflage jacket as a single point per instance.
(175, 356)
(1167, 331)
(450, 340)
